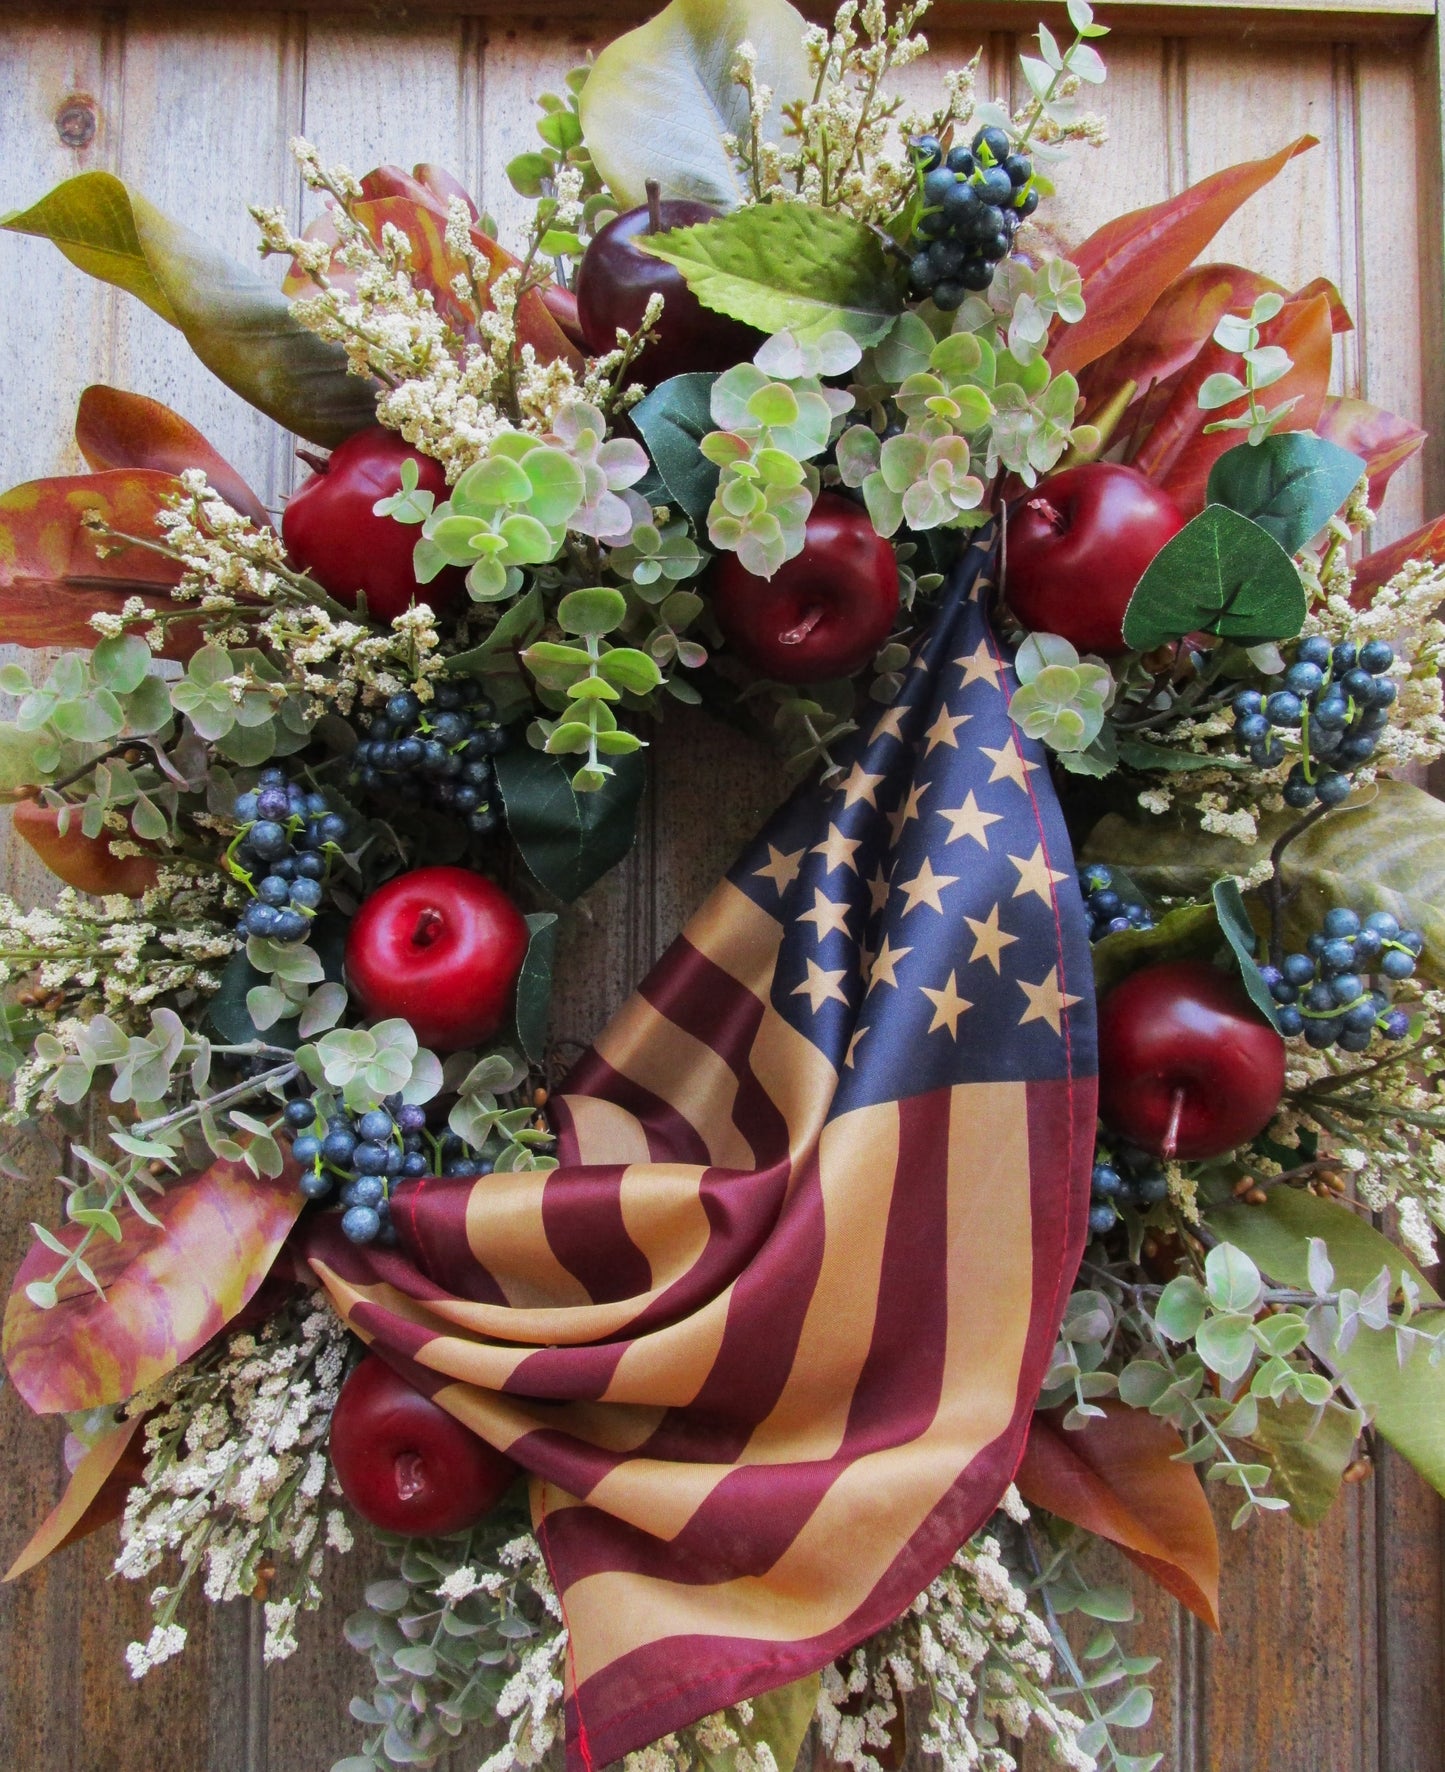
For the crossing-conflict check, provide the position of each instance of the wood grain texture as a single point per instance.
(1332, 1655)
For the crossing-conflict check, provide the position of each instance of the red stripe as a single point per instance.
(430, 1215)
(670, 1137)
(582, 1219)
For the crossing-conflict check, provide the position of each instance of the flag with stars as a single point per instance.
(767, 1342)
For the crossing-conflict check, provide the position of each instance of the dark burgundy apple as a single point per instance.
(441, 947)
(1188, 1068)
(404, 1464)
(330, 529)
(822, 614)
(1078, 545)
(616, 278)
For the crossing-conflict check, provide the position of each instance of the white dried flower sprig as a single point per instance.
(237, 1477)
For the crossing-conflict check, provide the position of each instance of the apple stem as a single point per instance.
(428, 928)
(1171, 1131)
(654, 206)
(1051, 514)
(318, 463)
(796, 635)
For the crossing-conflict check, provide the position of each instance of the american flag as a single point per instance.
(768, 1340)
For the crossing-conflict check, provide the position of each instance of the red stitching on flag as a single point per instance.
(584, 1747)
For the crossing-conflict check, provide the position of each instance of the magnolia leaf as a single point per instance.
(1425, 543)
(1239, 933)
(780, 1718)
(568, 839)
(786, 267)
(1383, 440)
(673, 420)
(534, 984)
(237, 323)
(118, 430)
(1118, 1477)
(660, 98)
(95, 1494)
(1308, 1450)
(166, 1288)
(1408, 1401)
(1290, 484)
(1221, 574)
(86, 863)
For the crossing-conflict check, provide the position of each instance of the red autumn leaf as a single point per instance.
(1340, 320)
(1178, 453)
(1383, 440)
(1117, 1477)
(119, 430)
(52, 580)
(444, 185)
(1129, 262)
(1425, 543)
(94, 1496)
(86, 863)
(167, 1290)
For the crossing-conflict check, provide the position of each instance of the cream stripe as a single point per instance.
(663, 1215)
(671, 1365)
(880, 1500)
(507, 1235)
(605, 1132)
(738, 937)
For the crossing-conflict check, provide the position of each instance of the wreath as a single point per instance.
(1003, 1145)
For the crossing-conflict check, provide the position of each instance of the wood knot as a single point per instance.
(75, 121)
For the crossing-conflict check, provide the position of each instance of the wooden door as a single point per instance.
(1334, 1645)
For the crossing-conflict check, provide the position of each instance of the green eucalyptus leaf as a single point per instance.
(594, 611)
(630, 670)
(1221, 574)
(1291, 484)
(121, 662)
(568, 839)
(787, 267)
(1408, 1400)
(673, 420)
(659, 99)
(237, 323)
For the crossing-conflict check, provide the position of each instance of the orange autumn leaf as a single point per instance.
(93, 1497)
(86, 863)
(52, 579)
(1117, 1477)
(1129, 262)
(168, 1289)
(1179, 452)
(1383, 440)
(119, 430)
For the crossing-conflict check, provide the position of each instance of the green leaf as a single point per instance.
(780, 1718)
(1239, 933)
(630, 670)
(237, 323)
(1409, 1400)
(786, 267)
(1290, 484)
(1221, 574)
(594, 611)
(121, 663)
(1307, 1450)
(230, 1019)
(534, 985)
(673, 420)
(1189, 932)
(569, 839)
(659, 99)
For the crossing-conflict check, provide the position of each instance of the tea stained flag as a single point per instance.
(767, 1342)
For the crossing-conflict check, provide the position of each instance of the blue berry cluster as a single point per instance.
(287, 837)
(1338, 699)
(444, 750)
(1327, 994)
(1126, 1179)
(1108, 913)
(358, 1158)
(973, 201)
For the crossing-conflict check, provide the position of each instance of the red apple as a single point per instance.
(616, 278)
(441, 947)
(822, 614)
(404, 1464)
(1188, 1067)
(1078, 545)
(331, 531)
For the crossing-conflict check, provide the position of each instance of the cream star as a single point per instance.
(943, 729)
(820, 987)
(884, 962)
(1035, 875)
(1008, 765)
(782, 869)
(825, 916)
(900, 815)
(947, 1006)
(979, 666)
(859, 785)
(968, 820)
(925, 887)
(1046, 1000)
(838, 850)
(989, 940)
(878, 890)
(888, 725)
(858, 1034)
